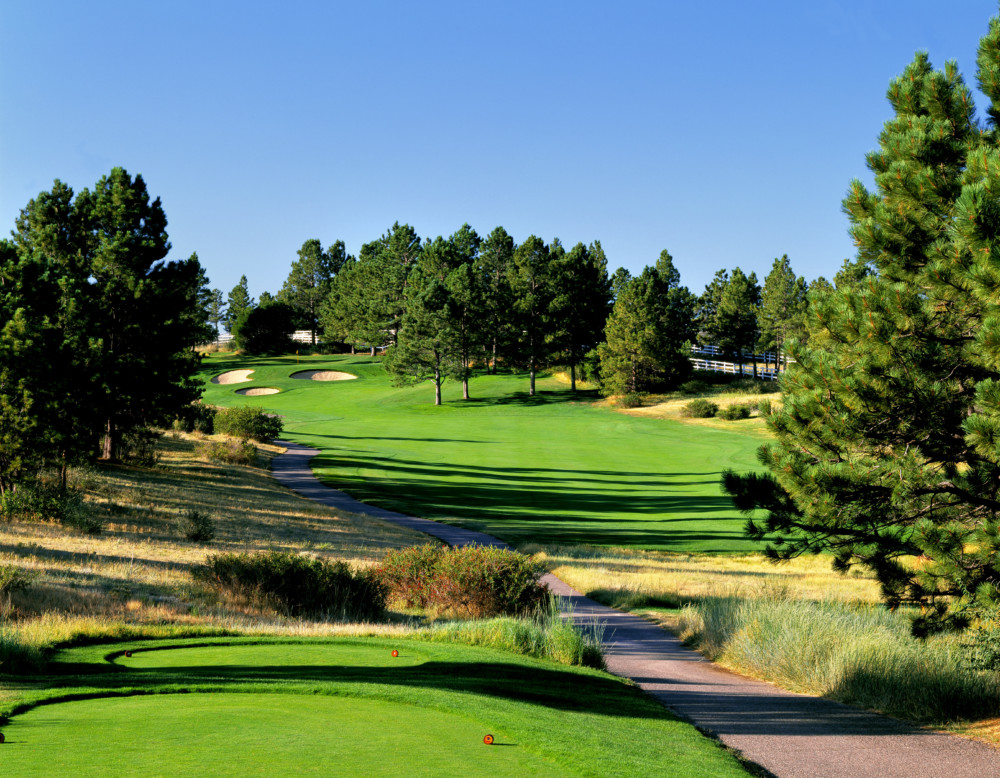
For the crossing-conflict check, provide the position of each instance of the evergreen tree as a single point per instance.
(427, 342)
(266, 329)
(707, 312)
(648, 333)
(581, 303)
(216, 309)
(530, 278)
(886, 444)
(466, 292)
(238, 303)
(736, 317)
(309, 280)
(495, 257)
(782, 311)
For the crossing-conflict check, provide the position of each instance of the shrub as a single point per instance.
(467, 582)
(300, 586)
(41, 502)
(693, 387)
(700, 409)
(735, 412)
(200, 527)
(230, 452)
(14, 579)
(764, 407)
(248, 422)
(754, 386)
(630, 400)
(139, 447)
(197, 417)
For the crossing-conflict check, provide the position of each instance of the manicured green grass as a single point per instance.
(556, 468)
(340, 707)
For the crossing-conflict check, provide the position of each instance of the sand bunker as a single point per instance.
(233, 377)
(257, 391)
(323, 375)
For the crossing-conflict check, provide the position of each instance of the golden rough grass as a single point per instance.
(671, 407)
(138, 568)
(692, 576)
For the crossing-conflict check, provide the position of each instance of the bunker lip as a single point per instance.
(323, 375)
(257, 391)
(233, 377)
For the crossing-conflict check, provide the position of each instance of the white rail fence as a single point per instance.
(717, 366)
(299, 336)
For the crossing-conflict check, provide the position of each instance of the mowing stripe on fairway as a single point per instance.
(552, 469)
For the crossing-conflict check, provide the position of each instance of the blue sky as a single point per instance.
(725, 132)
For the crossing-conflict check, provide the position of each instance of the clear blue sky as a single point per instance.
(726, 132)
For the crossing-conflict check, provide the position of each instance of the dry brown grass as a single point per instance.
(671, 407)
(138, 569)
(687, 577)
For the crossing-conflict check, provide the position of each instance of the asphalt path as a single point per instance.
(789, 735)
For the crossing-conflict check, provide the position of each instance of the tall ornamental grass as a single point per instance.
(860, 654)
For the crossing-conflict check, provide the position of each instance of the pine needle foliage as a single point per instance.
(888, 444)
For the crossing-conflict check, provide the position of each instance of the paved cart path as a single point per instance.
(791, 735)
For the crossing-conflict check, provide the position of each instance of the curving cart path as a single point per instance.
(789, 735)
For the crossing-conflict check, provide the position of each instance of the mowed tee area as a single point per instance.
(556, 468)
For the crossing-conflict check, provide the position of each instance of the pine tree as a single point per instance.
(530, 278)
(309, 280)
(648, 333)
(887, 441)
(495, 257)
(216, 309)
(736, 317)
(782, 311)
(238, 303)
(581, 303)
(707, 312)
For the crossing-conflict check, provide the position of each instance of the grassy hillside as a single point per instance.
(555, 468)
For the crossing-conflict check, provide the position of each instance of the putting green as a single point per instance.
(557, 468)
(255, 734)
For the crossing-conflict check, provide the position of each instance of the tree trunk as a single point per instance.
(352, 349)
(531, 382)
(109, 447)
(493, 369)
(437, 386)
(373, 351)
(572, 377)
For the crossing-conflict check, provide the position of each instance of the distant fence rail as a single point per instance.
(718, 366)
(299, 336)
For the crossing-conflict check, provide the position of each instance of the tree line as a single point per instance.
(445, 307)
(97, 331)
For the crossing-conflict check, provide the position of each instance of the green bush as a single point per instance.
(14, 579)
(230, 452)
(200, 527)
(700, 409)
(249, 423)
(300, 586)
(735, 412)
(139, 447)
(630, 400)
(467, 582)
(39, 501)
(197, 417)
(764, 407)
(695, 386)
(754, 386)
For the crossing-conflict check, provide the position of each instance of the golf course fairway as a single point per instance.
(556, 468)
(327, 706)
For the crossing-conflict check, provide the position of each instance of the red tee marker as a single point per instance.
(2, 738)
(395, 652)
(128, 653)
(488, 740)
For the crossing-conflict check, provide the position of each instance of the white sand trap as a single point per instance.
(233, 377)
(323, 375)
(257, 391)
